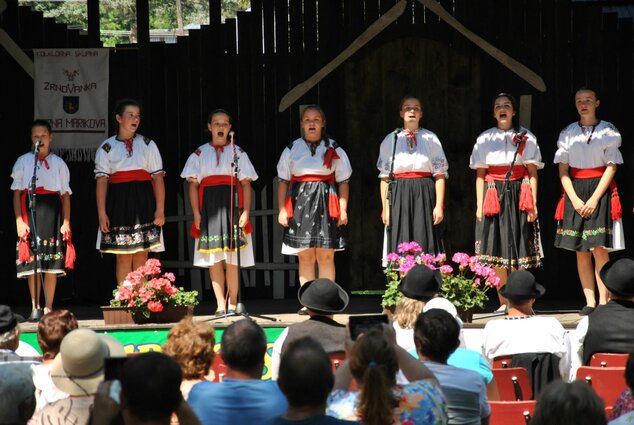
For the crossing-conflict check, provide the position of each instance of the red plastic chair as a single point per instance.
(513, 384)
(337, 359)
(511, 412)
(219, 368)
(608, 359)
(502, 362)
(607, 382)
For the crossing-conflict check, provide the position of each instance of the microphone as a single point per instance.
(231, 133)
(519, 137)
(38, 142)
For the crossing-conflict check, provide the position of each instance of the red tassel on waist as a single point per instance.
(615, 202)
(288, 203)
(526, 197)
(69, 261)
(333, 198)
(24, 253)
(595, 173)
(333, 203)
(559, 212)
(491, 201)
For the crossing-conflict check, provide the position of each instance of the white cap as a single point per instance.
(443, 304)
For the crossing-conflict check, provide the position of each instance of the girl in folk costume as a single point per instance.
(507, 230)
(413, 169)
(209, 171)
(51, 230)
(589, 212)
(313, 194)
(130, 192)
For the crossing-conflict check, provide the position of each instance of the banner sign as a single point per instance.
(71, 92)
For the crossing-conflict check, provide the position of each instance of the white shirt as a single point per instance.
(112, 156)
(535, 334)
(298, 161)
(426, 157)
(496, 147)
(588, 147)
(204, 162)
(55, 178)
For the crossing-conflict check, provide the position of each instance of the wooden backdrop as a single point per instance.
(247, 64)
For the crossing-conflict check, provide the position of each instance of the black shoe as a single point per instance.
(36, 315)
(303, 311)
(586, 310)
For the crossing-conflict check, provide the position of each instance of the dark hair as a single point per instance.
(219, 111)
(408, 96)
(373, 364)
(305, 375)
(42, 123)
(52, 328)
(588, 88)
(436, 334)
(508, 96)
(243, 346)
(192, 346)
(629, 371)
(150, 385)
(120, 107)
(562, 403)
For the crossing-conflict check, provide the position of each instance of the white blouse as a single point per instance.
(426, 156)
(496, 147)
(112, 156)
(55, 178)
(204, 162)
(297, 160)
(589, 146)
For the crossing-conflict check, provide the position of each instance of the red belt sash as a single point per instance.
(592, 173)
(24, 253)
(412, 175)
(333, 199)
(129, 176)
(219, 181)
(498, 173)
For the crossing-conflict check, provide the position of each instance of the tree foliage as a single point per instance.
(118, 17)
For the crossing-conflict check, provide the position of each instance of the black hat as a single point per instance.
(521, 285)
(618, 276)
(420, 283)
(8, 321)
(323, 296)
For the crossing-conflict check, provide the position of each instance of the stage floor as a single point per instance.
(285, 313)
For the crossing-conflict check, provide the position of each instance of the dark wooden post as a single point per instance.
(143, 23)
(94, 26)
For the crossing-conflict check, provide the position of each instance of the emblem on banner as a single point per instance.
(71, 104)
(71, 74)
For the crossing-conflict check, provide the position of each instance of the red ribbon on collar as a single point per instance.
(330, 155)
(412, 138)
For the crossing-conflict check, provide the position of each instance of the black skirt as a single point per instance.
(411, 215)
(508, 236)
(215, 223)
(578, 234)
(51, 247)
(311, 226)
(130, 207)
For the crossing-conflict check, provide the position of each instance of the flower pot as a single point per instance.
(170, 314)
(465, 315)
(117, 315)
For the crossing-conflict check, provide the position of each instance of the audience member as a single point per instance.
(418, 286)
(192, 346)
(464, 357)
(77, 370)
(373, 360)
(437, 335)
(322, 298)
(17, 393)
(306, 379)
(608, 329)
(562, 403)
(148, 393)
(51, 329)
(543, 340)
(242, 396)
(623, 409)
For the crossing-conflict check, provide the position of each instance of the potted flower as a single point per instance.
(465, 286)
(151, 297)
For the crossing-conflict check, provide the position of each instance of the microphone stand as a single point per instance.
(235, 240)
(38, 279)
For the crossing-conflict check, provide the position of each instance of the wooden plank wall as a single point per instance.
(247, 64)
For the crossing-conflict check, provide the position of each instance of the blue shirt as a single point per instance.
(468, 359)
(237, 401)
